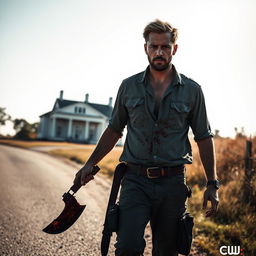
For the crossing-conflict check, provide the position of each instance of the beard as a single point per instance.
(159, 67)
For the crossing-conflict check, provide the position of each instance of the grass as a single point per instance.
(235, 223)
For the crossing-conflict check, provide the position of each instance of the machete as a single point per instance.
(71, 212)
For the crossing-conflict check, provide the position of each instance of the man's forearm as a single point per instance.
(207, 155)
(107, 141)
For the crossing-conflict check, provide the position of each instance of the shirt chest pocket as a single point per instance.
(178, 114)
(136, 111)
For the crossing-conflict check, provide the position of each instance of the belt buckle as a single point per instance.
(152, 176)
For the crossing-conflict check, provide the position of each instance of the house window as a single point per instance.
(79, 110)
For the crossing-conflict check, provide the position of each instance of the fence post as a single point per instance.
(248, 172)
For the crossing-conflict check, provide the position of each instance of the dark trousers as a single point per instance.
(160, 201)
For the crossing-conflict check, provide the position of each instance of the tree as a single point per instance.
(3, 116)
(24, 130)
(241, 133)
(217, 133)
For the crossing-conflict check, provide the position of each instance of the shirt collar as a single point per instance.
(142, 78)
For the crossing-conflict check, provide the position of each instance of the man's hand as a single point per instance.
(211, 194)
(84, 175)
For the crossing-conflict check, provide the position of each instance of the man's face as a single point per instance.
(160, 50)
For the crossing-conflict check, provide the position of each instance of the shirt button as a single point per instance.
(155, 157)
(156, 124)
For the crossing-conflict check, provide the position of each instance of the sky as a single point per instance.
(90, 46)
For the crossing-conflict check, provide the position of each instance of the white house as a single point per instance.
(75, 120)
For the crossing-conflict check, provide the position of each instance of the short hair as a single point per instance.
(159, 26)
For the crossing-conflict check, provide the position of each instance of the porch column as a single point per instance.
(70, 121)
(40, 133)
(86, 130)
(53, 127)
(100, 130)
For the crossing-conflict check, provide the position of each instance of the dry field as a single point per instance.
(80, 155)
(31, 144)
(235, 223)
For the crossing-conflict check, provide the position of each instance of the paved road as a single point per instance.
(32, 185)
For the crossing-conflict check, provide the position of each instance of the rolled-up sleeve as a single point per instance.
(119, 115)
(198, 118)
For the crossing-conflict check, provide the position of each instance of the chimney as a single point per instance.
(61, 95)
(86, 97)
(110, 101)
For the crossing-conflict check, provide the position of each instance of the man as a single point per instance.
(158, 106)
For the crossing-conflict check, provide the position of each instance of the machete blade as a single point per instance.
(71, 212)
(68, 217)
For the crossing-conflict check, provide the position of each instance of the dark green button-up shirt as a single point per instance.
(162, 139)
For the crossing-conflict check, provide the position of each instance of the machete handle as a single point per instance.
(77, 186)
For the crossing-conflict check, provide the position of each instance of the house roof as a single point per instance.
(104, 109)
(65, 103)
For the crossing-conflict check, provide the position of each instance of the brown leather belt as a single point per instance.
(153, 172)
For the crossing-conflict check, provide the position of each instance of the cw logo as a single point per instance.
(231, 250)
